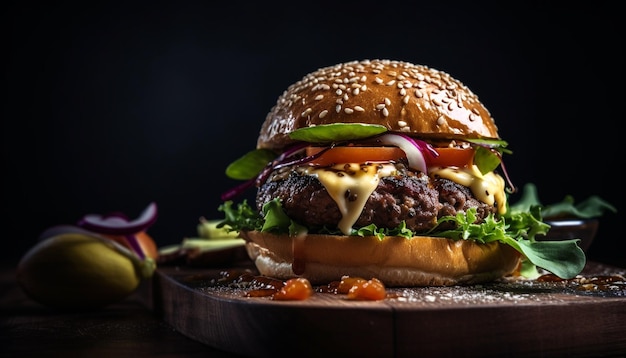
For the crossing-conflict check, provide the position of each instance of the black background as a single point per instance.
(108, 107)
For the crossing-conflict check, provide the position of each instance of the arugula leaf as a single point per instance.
(250, 164)
(593, 206)
(326, 133)
(563, 258)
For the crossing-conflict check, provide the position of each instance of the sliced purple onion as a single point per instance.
(117, 224)
(236, 191)
(413, 148)
(262, 176)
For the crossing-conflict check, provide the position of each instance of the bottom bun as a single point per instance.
(396, 261)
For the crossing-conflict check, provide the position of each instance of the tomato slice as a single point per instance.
(339, 155)
(451, 157)
(448, 157)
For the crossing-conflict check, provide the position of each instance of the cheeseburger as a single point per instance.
(389, 170)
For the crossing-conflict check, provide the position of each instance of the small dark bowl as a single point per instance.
(567, 229)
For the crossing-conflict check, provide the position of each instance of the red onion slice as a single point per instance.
(116, 224)
(411, 147)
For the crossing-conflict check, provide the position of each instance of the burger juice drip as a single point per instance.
(299, 254)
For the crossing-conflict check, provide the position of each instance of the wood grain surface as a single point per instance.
(507, 318)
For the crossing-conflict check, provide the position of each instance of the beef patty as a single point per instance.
(409, 196)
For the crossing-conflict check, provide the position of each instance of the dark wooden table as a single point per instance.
(134, 328)
(126, 329)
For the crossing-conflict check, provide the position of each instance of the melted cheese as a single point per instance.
(350, 185)
(488, 188)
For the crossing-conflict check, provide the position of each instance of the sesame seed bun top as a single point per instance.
(404, 97)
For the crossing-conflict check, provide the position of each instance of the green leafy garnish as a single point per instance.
(335, 132)
(242, 217)
(518, 228)
(489, 153)
(250, 165)
(486, 160)
(495, 143)
(373, 230)
(592, 207)
(275, 218)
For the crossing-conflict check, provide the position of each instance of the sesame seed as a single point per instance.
(390, 83)
(323, 113)
(405, 100)
(319, 97)
(441, 121)
(355, 91)
(359, 109)
(338, 108)
(306, 112)
(380, 106)
(378, 80)
(339, 92)
(385, 112)
(349, 110)
(387, 101)
(402, 123)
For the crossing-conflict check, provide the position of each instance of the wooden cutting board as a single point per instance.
(509, 318)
